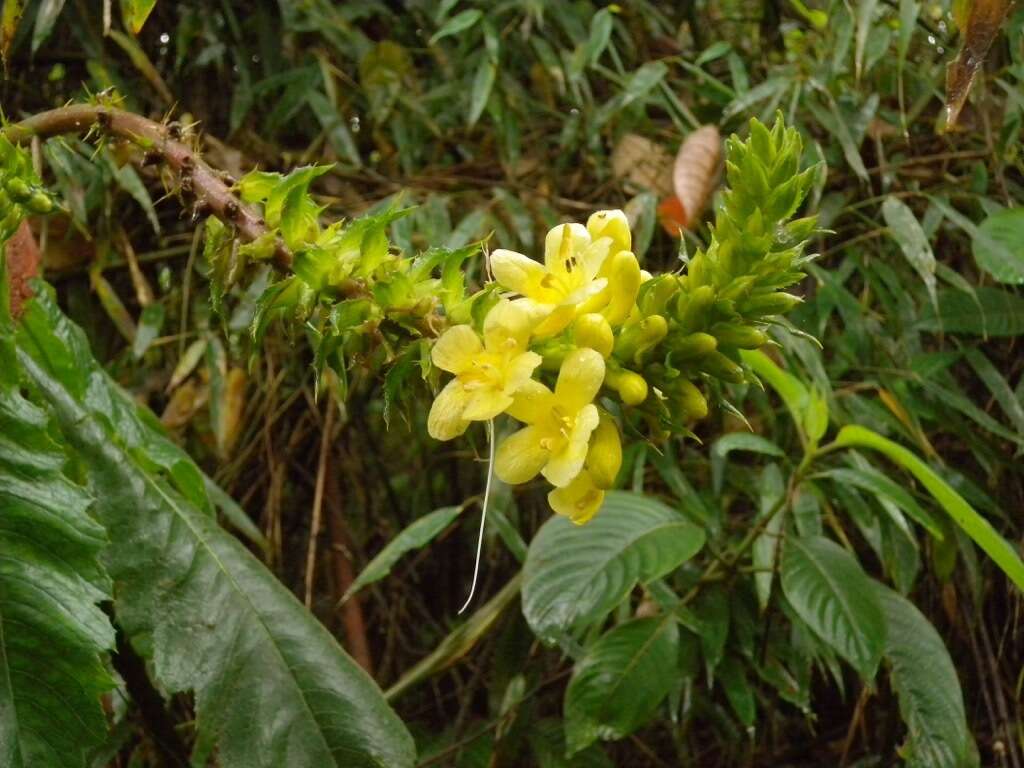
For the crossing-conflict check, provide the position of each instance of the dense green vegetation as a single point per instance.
(286, 353)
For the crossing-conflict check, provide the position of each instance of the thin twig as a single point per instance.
(318, 498)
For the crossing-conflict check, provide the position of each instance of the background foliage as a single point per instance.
(504, 119)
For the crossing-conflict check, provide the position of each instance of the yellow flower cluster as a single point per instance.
(567, 307)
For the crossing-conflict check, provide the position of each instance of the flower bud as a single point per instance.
(612, 224)
(721, 367)
(769, 304)
(692, 308)
(688, 399)
(592, 330)
(632, 387)
(637, 338)
(655, 294)
(623, 272)
(40, 203)
(736, 335)
(691, 346)
(604, 457)
(19, 189)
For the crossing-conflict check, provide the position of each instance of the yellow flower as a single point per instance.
(579, 500)
(487, 374)
(613, 224)
(559, 424)
(567, 278)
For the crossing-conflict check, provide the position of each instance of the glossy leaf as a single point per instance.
(828, 590)
(963, 514)
(620, 681)
(53, 634)
(998, 245)
(574, 575)
(986, 312)
(418, 534)
(926, 684)
(907, 232)
(213, 619)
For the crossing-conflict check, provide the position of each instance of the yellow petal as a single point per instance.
(586, 292)
(604, 456)
(445, 420)
(591, 258)
(556, 322)
(562, 244)
(520, 369)
(508, 326)
(611, 224)
(484, 404)
(518, 273)
(579, 379)
(568, 461)
(520, 456)
(579, 501)
(454, 351)
(531, 402)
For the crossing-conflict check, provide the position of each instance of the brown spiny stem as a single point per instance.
(157, 141)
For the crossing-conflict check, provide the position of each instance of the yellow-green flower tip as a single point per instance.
(580, 500)
(613, 225)
(605, 456)
(593, 330)
(632, 387)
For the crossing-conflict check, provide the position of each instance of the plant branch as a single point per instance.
(157, 140)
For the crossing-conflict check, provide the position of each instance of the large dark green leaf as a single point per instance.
(576, 574)
(829, 591)
(52, 632)
(985, 312)
(620, 681)
(926, 683)
(272, 687)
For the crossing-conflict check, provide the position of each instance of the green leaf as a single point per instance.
(46, 16)
(963, 514)
(792, 391)
(460, 22)
(737, 441)
(828, 590)
(483, 82)
(998, 386)
(620, 681)
(884, 487)
(737, 689)
(53, 634)
(988, 312)
(926, 684)
(135, 13)
(150, 322)
(600, 33)
(765, 551)
(418, 534)
(575, 575)
(865, 15)
(999, 245)
(908, 234)
(213, 619)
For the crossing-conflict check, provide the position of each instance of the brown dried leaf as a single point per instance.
(22, 266)
(231, 410)
(983, 20)
(642, 165)
(695, 172)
